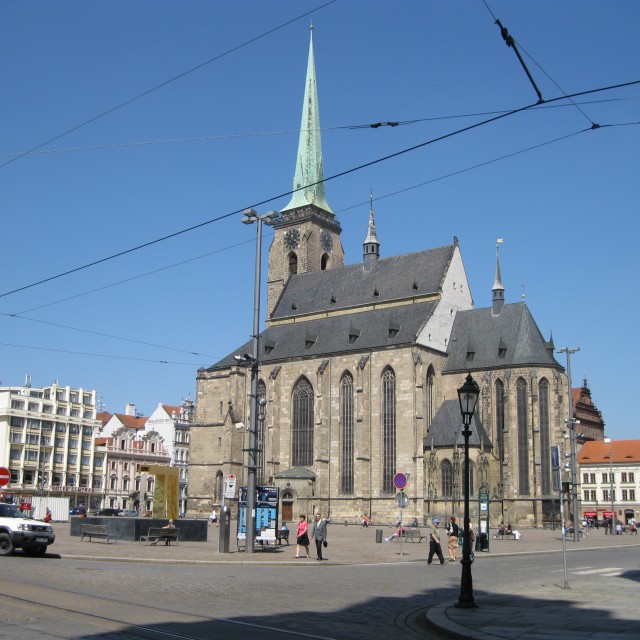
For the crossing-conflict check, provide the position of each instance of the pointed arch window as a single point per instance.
(260, 431)
(523, 438)
(293, 264)
(446, 478)
(388, 429)
(545, 458)
(302, 425)
(500, 419)
(431, 381)
(346, 434)
(324, 262)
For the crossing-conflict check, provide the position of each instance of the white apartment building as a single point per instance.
(47, 439)
(174, 425)
(610, 479)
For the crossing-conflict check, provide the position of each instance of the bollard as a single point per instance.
(378, 535)
(225, 530)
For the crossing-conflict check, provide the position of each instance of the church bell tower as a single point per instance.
(307, 234)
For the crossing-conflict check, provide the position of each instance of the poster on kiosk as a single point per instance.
(266, 514)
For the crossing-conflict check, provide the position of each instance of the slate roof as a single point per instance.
(482, 340)
(330, 335)
(395, 278)
(446, 429)
(297, 473)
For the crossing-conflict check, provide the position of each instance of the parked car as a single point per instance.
(18, 531)
(128, 513)
(74, 512)
(107, 512)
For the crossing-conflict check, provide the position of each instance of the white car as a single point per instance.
(20, 532)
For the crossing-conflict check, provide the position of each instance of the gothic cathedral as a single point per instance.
(359, 367)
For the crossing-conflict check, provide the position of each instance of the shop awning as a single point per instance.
(590, 514)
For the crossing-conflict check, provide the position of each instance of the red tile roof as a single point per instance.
(132, 422)
(104, 416)
(169, 409)
(597, 452)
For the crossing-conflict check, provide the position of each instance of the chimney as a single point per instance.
(130, 409)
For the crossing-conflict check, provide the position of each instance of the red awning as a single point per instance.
(590, 514)
(606, 514)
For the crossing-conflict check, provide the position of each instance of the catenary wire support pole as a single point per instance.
(571, 424)
(510, 42)
(250, 216)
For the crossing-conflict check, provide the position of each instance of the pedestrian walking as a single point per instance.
(434, 542)
(213, 517)
(302, 537)
(319, 533)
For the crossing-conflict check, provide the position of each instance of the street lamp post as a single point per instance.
(572, 441)
(250, 216)
(612, 496)
(468, 396)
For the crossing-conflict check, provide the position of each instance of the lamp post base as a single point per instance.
(465, 599)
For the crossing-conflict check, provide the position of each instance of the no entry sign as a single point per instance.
(5, 476)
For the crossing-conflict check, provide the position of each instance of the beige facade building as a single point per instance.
(610, 480)
(359, 367)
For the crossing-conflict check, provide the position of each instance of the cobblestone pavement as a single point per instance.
(602, 604)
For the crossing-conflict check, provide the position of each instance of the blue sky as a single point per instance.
(563, 196)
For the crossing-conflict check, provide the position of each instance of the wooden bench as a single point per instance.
(283, 534)
(155, 534)
(501, 534)
(96, 531)
(415, 535)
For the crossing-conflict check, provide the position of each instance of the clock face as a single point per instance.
(291, 238)
(327, 240)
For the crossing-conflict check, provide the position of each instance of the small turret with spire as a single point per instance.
(498, 287)
(371, 243)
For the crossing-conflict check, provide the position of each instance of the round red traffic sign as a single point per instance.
(400, 481)
(5, 476)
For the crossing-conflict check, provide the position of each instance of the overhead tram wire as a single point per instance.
(255, 134)
(105, 335)
(165, 83)
(338, 211)
(511, 42)
(97, 355)
(341, 174)
(20, 315)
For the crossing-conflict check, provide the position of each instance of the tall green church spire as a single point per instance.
(309, 169)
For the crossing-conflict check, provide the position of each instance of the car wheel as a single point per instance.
(6, 546)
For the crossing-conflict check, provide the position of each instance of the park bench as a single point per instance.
(503, 534)
(415, 535)
(155, 534)
(283, 534)
(96, 531)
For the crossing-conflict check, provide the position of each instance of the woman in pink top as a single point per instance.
(302, 539)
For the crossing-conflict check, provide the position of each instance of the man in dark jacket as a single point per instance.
(319, 533)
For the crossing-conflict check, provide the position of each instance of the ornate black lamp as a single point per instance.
(468, 395)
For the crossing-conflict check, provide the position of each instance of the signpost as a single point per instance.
(402, 500)
(5, 476)
(230, 487)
